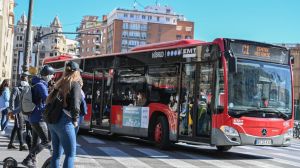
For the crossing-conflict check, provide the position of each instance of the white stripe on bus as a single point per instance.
(123, 158)
(165, 158)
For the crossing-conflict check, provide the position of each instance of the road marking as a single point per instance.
(291, 148)
(211, 161)
(123, 158)
(249, 148)
(283, 161)
(93, 140)
(287, 156)
(84, 158)
(165, 158)
(272, 148)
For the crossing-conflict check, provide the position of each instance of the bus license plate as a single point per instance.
(263, 142)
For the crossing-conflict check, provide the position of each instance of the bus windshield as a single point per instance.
(260, 85)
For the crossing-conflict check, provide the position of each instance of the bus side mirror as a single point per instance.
(232, 64)
(292, 60)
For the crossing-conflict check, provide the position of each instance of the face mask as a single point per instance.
(47, 78)
(24, 83)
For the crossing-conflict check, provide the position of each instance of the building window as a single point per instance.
(21, 38)
(125, 26)
(188, 29)
(51, 54)
(143, 17)
(178, 28)
(124, 33)
(149, 17)
(178, 37)
(188, 37)
(82, 50)
(157, 18)
(87, 49)
(168, 19)
(88, 42)
(131, 15)
(125, 15)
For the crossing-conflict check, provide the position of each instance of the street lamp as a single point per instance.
(28, 35)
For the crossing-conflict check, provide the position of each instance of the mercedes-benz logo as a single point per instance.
(264, 132)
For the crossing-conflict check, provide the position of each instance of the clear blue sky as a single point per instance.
(275, 21)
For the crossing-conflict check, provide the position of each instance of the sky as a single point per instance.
(272, 21)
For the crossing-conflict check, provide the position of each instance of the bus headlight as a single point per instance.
(289, 133)
(229, 131)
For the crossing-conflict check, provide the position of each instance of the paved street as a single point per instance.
(105, 151)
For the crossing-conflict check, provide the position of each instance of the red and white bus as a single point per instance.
(223, 93)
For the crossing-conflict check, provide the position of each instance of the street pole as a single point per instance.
(28, 36)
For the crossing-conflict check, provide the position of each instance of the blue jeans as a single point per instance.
(80, 120)
(63, 140)
(4, 119)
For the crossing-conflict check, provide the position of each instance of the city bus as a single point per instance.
(223, 93)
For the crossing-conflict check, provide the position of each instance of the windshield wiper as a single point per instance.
(240, 113)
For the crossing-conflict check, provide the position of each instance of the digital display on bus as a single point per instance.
(260, 52)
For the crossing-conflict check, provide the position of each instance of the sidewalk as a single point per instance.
(15, 153)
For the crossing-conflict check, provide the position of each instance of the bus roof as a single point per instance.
(58, 58)
(177, 43)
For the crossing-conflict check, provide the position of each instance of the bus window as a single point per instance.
(130, 89)
(162, 84)
(204, 96)
(187, 99)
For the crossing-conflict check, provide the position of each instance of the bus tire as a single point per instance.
(223, 148)
(161, 133)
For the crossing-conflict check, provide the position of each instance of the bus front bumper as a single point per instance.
(220, 139)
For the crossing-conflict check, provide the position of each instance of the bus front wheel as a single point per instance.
(161, 133)
(223, 148)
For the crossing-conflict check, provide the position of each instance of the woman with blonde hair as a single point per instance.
(63, 132)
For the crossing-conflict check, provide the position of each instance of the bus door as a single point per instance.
(196, 92)
(101, 101)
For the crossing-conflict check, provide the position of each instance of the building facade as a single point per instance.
(89, 45)
(6, 37)
(52, 45)
(130, 28)
(124, 29)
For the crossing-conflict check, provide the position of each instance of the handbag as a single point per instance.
(54, 108)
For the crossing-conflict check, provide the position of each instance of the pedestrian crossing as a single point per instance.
(93, 152)
(147, 157)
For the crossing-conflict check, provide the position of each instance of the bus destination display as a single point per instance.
(274, 54)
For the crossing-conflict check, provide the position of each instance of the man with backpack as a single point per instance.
(15, 103)
(34, 98)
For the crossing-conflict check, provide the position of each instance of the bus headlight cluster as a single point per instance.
(229, 131)
(289, 133)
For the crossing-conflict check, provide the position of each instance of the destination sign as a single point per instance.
(261, 52)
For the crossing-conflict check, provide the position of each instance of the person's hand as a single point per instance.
(75, 123)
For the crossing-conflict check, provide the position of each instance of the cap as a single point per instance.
(72, 66)
(47, 70)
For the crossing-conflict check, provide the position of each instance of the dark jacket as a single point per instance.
(15, 105)
(39, 95)
(74, 99)
(15, 100)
